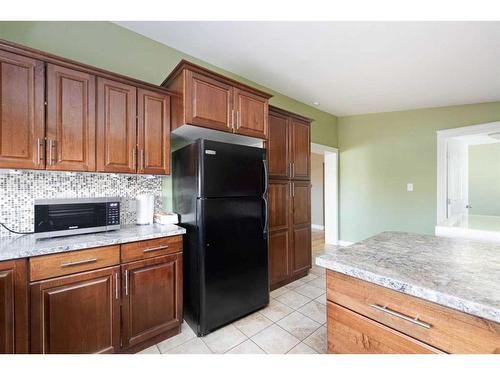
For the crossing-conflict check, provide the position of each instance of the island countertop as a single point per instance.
(24, 246)
(457, 273)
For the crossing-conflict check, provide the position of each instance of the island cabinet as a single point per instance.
(206, 99)
(13, 307)
(112, 299)
(367, 318)
(61, 115)
(289, 197)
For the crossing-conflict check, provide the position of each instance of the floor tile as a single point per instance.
(302, 348)
(246, 347)
(275, 340)
(317, 340)
(309, 291)
(193, 346)
(321, 299)
(224, 339)
(319, 282)
(278, 292)
(295, 284)
(185, 335)
(253, 324)
(151, 350)
(275, 310)
(309, 277)
(293, 299)
(298, 325)
(314, 310)
(319, 271)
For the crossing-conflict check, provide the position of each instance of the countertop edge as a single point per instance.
(440, 298)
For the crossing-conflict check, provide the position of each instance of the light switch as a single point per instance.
(409, 187)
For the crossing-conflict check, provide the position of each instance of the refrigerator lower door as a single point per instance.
(234, 260)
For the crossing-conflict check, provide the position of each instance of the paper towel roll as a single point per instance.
(145, 209)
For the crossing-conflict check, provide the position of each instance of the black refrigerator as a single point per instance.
(220, 194)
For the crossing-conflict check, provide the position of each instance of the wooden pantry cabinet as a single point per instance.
(288, 150)
(111, 299)
(206, 99)
(58, 114)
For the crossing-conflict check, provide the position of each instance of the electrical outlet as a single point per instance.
(409, 187)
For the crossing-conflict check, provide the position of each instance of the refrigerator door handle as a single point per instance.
(264, 196)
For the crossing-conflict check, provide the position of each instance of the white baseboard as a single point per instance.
(317, 226)
(344, 243)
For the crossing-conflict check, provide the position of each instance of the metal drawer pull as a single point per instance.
(126, 282)
(116, 285)
(416, 321)
(155, 248)
(77, 263)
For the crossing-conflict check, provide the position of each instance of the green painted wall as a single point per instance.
(484, 179)
(380, 153)
(112, 47)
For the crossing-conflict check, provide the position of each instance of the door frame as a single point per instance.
(443, 137)
(331, 191)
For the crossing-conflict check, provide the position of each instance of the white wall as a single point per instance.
(317, 178)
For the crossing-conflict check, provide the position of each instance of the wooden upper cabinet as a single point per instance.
(301, 201)
(70, 120)
(206, 99)
(152, 301)
(208, 102)
(22, 90)
(278, 153)
(116, 126)
(13, 307)
(153, 132)
(301, 149)
(77, 314)
(251, 114)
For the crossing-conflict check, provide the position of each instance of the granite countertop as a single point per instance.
(27, 246)
(456, 273)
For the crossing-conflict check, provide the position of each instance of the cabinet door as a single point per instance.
(278, 146)
(152, 299)
(77, 314)
(22, 132)
(70, 120)
(208, 102)
(301, 149)
(301, 214)
(13, 307)
(279, 205)
(116, 127)
(251, 114)
(153, 132)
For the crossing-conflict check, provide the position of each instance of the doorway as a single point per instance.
(324, 196)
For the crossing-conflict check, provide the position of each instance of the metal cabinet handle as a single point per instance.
(155, 248)
(293, 189)
(79, 262)
(126, 282)
(142, 159)
(232, 118)
(407, 318)
(50, 151)
(293, 169)
(38, 151)
(117, 294)
(237, 119)
(134, 156)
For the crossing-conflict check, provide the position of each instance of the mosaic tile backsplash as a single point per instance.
(19, 189)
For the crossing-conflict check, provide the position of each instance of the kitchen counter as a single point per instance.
(456, 273)
(24, 246)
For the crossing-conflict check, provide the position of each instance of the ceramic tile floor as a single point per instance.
(294, 322)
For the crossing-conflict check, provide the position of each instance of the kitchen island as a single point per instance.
(408, 293)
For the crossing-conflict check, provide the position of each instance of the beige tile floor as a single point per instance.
(294, 322)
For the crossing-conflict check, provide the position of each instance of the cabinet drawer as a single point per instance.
(351, 333)
(47, 266)
(444, 328)
(151, 248)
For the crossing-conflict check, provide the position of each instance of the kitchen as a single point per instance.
(89, 153)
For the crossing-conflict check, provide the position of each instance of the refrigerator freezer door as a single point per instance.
(229, 170)
(234, 258)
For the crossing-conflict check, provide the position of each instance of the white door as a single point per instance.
(458, 179)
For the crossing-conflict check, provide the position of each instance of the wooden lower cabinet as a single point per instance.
(13, 307)
(152, 301)
(279, 258)
(77, 314)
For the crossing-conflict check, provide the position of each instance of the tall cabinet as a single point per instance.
(289, 150)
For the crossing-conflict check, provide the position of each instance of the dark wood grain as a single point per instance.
(153, 132)
(300, 149)
(251, 114)
(22, 90)
(70, 120)
(278, 146)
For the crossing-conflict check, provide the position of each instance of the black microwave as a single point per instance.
(65, 217)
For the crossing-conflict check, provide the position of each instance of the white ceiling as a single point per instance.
(349, 67)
